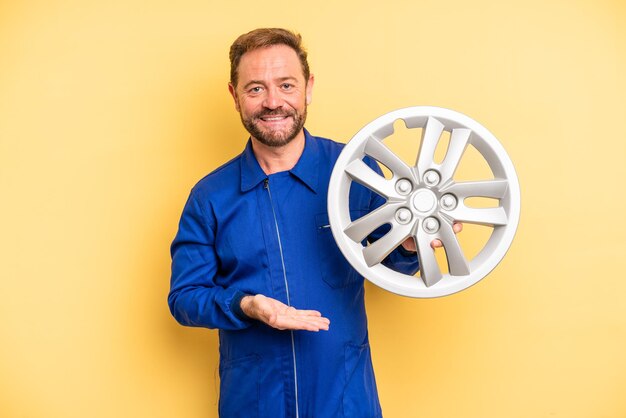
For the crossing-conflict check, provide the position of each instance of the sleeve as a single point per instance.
(400, 260)
(194, 298)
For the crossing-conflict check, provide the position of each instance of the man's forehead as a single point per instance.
(275, 61)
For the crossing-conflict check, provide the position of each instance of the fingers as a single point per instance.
(295, 319)
(286, 323)
(409, 244)
(280, 316)
(456, 227)
(307, 312)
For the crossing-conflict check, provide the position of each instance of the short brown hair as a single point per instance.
(262, 38)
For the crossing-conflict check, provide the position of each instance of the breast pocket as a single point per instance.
(336, 271)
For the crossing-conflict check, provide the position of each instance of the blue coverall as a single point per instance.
(244, 232)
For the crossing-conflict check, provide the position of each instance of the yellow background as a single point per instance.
(110, 111)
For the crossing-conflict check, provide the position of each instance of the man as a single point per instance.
(255, 258)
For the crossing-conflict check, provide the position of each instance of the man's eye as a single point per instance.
(255, 89)
(287, 86)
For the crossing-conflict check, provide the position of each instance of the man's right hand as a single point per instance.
(280, 316)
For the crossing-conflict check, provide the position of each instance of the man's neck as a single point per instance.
(275, 159)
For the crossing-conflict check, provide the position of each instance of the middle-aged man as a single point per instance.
(254, 255)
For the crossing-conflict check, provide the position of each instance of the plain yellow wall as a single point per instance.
(111, 110)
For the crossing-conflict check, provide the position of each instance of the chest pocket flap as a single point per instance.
(335, 269)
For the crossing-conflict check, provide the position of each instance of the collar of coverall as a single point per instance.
(305, 170)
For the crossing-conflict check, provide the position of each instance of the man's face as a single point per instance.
(272, 95)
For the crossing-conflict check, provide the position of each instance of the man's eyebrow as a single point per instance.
(252, 82)
(287, 78)
(281, 79)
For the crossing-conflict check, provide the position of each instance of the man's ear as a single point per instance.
(309, 89)
(233, 93)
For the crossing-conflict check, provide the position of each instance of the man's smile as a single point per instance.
(274, 120)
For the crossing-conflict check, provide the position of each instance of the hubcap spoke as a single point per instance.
(494, 189)
(480, 216)
(360, 228)
(429, 269)
(379, 151)
(377, 251)
(458, 142)
(430, 138)
(457, 263)
(363, 174)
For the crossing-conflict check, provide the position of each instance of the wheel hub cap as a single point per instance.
(422, 201)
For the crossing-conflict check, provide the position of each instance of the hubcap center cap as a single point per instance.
(424, 201)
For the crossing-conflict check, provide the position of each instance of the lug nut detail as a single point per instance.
(432, 178)
(403, 216)
(404, 186)
(431, 225)
(448, 201)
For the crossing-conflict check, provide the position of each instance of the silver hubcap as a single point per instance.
(423, 201)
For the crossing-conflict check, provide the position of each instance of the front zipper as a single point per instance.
(266, 185)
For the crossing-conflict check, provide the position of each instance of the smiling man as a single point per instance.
(255, 258)
(271, 99)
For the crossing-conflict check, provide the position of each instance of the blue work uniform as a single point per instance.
(244, 232)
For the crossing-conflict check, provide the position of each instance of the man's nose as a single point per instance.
(273, 99)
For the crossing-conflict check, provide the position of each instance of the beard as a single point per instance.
(279, 137)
